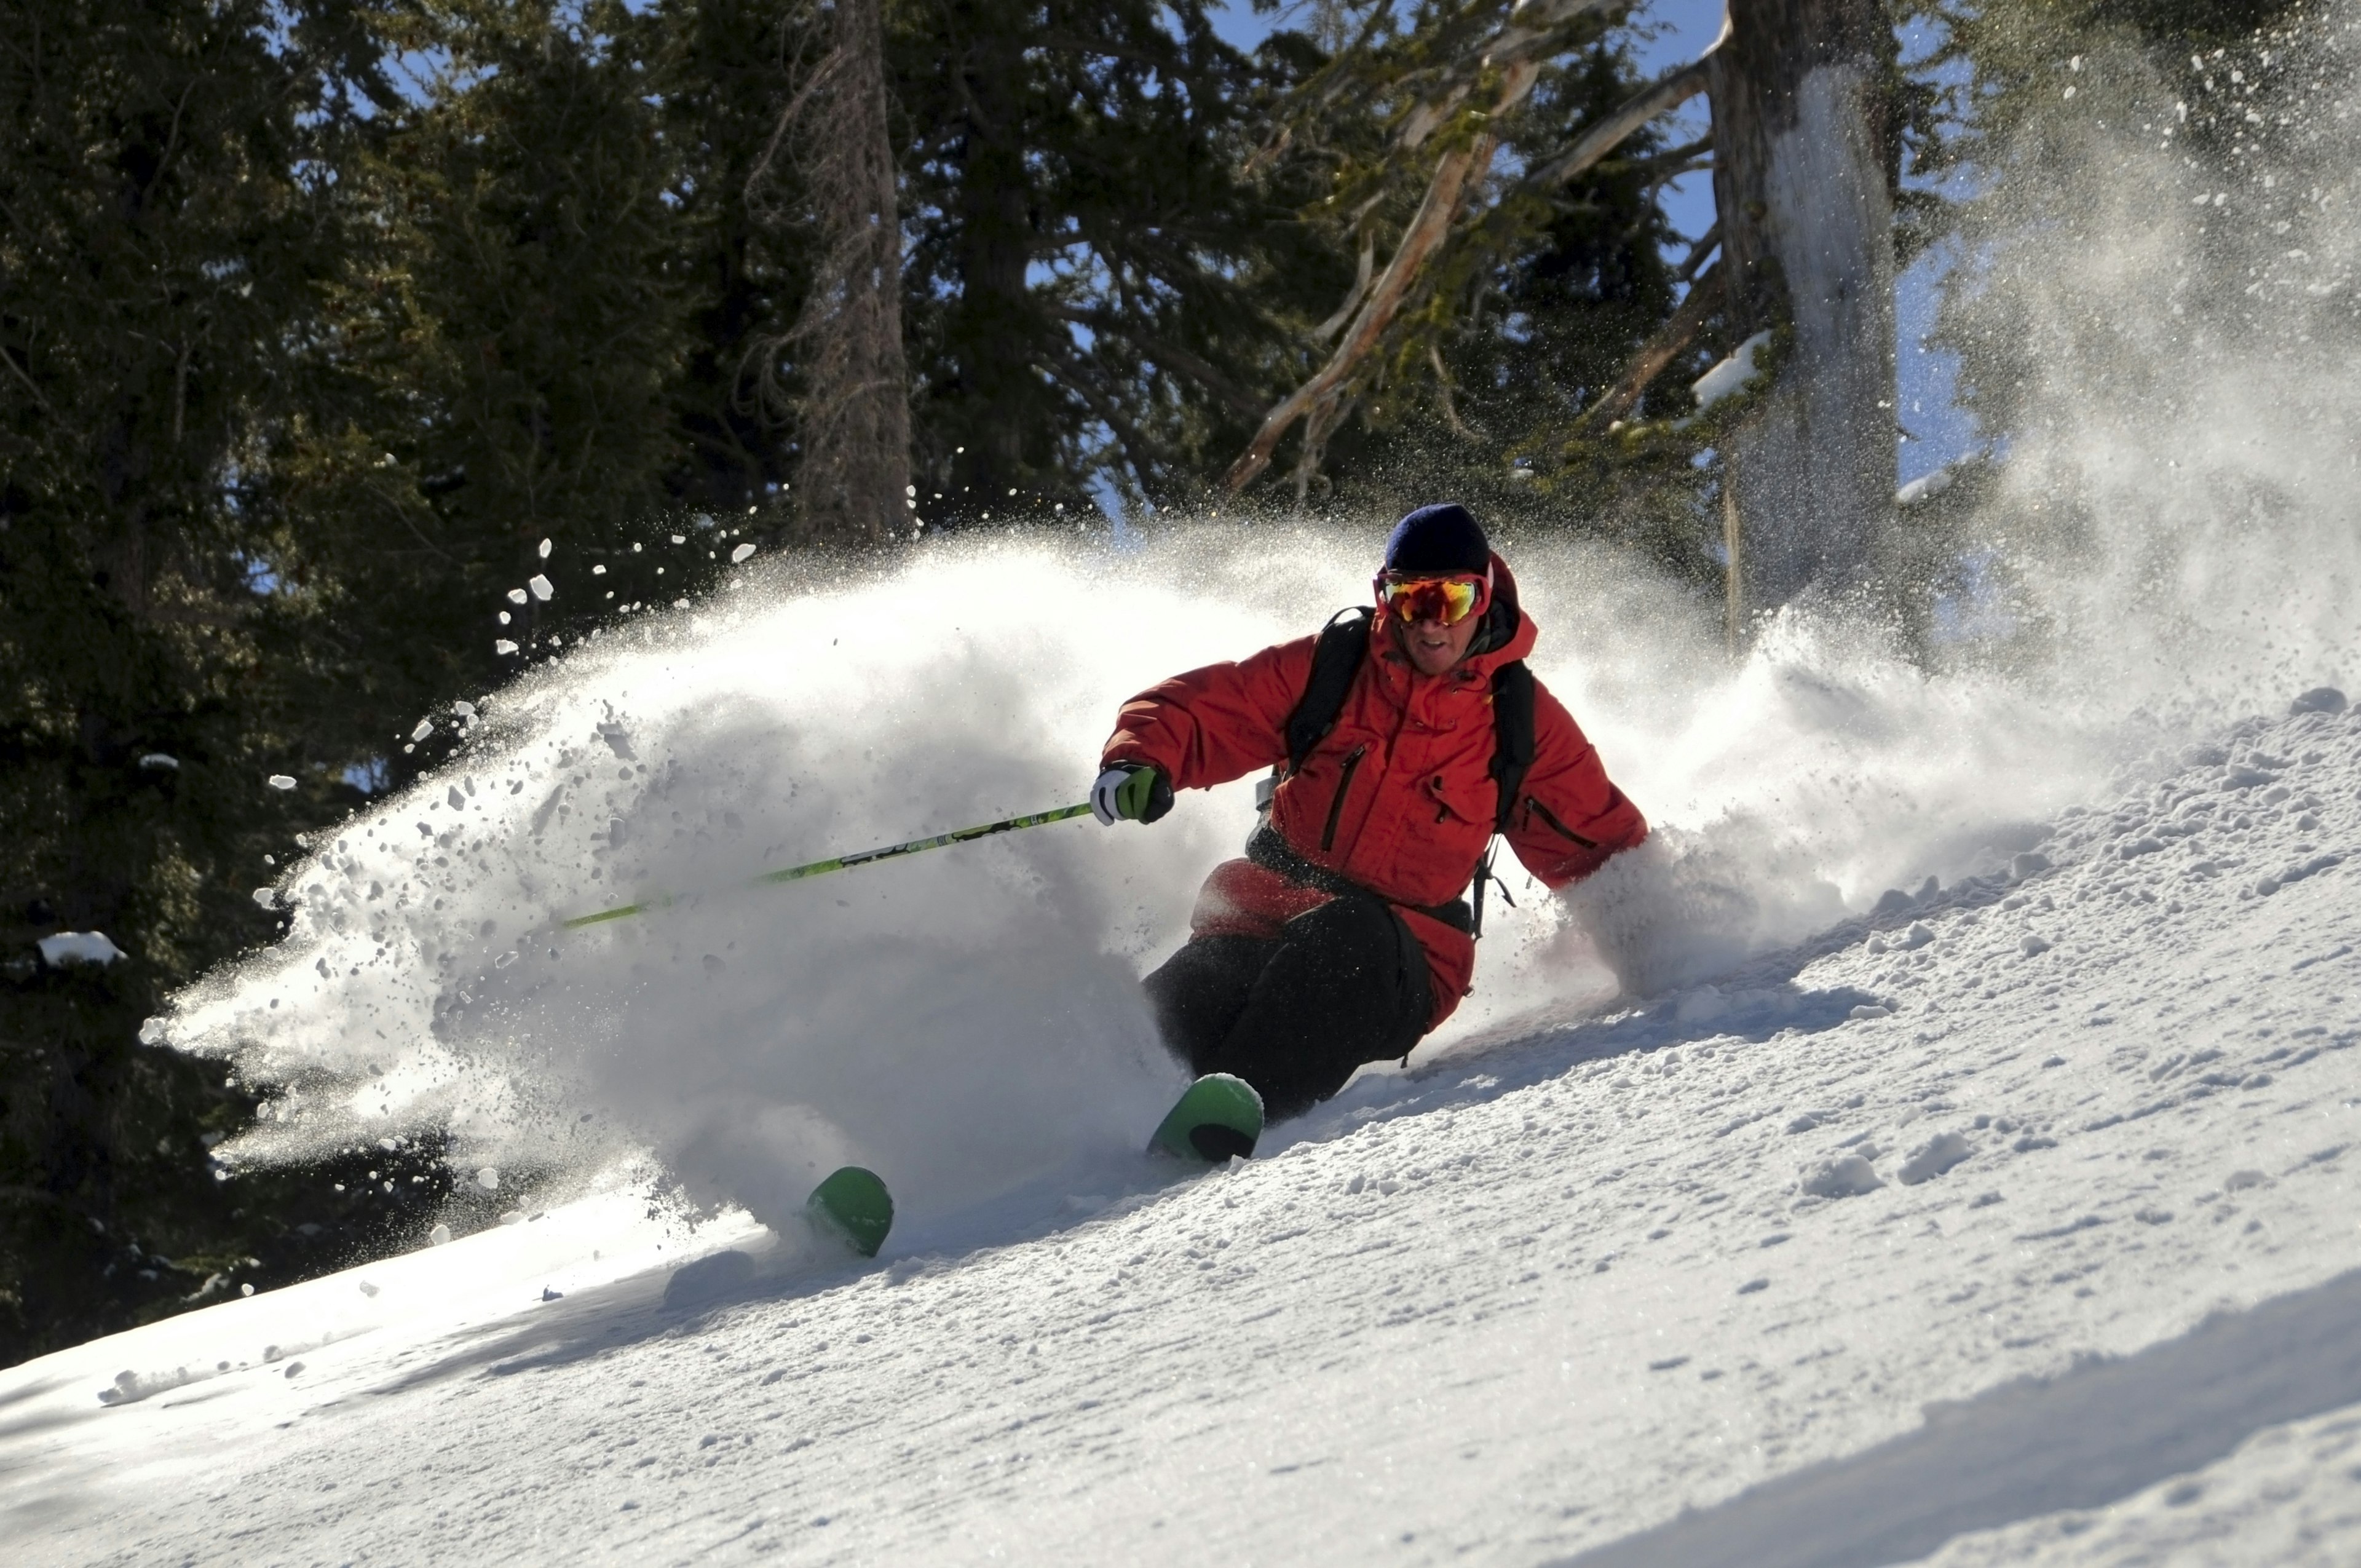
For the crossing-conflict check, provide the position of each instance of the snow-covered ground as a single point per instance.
(2015, 1225)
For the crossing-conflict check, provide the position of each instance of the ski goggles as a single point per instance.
(1449, 599)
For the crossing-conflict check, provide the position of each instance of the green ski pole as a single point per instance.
(845, 862)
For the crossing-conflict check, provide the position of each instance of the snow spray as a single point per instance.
(967, 1018)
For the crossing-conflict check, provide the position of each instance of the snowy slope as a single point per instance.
(1566, 1290)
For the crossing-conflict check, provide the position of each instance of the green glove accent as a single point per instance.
(1136, 800)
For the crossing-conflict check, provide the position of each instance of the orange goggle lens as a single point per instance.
(1447, 600)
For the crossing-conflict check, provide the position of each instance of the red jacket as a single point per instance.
(1398, 798)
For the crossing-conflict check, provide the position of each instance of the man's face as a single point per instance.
(1433, 648)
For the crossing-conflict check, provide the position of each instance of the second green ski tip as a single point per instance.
(853, 1206)
(1215, 1117)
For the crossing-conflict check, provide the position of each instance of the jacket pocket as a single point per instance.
(1336, 804)
(1470, 803)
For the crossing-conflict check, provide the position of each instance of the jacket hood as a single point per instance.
(1508, 632)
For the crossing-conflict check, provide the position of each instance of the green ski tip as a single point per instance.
(1215, 1117)
(853, 1206)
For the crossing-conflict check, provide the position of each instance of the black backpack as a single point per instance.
(1337, 659)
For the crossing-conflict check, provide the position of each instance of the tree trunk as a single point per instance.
(854, 413)
(1806, 152)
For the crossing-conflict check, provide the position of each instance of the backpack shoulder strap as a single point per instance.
(1336, 659)
(1512, 727)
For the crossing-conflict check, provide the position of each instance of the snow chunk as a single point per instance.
(544, 554)
(77, 947)
(741, 553)
(160, 763)
(1731, 374)
(425, 728)
(488, 1178)
(1934, 1158)
(518, 595)
(540, 587)
(1701, 1007)
(438, 1235)
(707, 1278)
(280, 781)
(2297, 872)
(2319, 700)
(502, 645)
(2033, 947)
(1846, 1176)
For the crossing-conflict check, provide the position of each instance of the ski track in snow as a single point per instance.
(1564, 1293)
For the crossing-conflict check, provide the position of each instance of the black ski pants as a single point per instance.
(1344, 985)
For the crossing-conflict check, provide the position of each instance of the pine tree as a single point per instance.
(507, 336)
(1095, 284)
(162, 640)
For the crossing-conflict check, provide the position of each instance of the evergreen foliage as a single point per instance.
(1095, 285)
(162, 651)
(504, 344)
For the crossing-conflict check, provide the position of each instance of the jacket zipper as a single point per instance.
(1551, 818)
(1337, 807)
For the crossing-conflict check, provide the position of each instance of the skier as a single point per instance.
(1401, 743)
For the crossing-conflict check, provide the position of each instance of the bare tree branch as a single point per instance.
(1169, 355)
(1428, 228)
(1360, 290)
(30, 385)
(1520, 45)
(1443, 388)
(1668, 94)
(1709, 242)
(1426, 232)
(1671, 339)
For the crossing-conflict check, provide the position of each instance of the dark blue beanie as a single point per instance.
(1439, 538)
